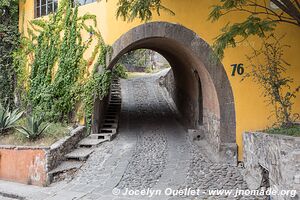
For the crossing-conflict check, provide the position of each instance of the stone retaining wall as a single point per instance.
(98, 113)
(56, 153)
(30, 165)
(274, 160)
(168, 82)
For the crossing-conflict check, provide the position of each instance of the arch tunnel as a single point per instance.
(202, 94)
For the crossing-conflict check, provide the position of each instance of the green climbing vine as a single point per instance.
(59, 83)
(98, 84)
(9, 41)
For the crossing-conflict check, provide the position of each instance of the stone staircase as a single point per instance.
(76, 158)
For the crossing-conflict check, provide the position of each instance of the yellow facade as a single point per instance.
(251, 110)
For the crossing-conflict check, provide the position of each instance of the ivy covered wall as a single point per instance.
(9, 40)
(54, 77)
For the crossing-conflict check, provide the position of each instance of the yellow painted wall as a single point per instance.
(251, 110)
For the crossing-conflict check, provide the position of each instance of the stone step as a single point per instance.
(111, 121)
(108, 130)
(110, 125)
(114, 100)
(115, 117)
(115, 96)
(101, 136)
(107, 116)
(89, 142)
(114, 110)
(113, 105)
(65, 166)
(110, 113)
(79, 154)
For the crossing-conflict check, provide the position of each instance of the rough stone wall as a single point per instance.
(279, 155)
(98, 113)
(168, 82)
(60, 148)
(132, 68)
(182, 96)
(211, 125)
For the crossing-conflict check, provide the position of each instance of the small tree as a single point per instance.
(268, 70)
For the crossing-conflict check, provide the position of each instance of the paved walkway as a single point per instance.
(151, 152)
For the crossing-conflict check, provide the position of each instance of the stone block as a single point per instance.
(278, 154)
(196, 134)
(228, 152)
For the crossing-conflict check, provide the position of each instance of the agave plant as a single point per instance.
(8, 118)
(34, 127)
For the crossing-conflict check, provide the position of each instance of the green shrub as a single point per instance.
(119, 70)
(148, 69)
(8, 118)
(34, 128)
(291, 131)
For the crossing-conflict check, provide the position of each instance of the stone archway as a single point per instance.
(187, 53)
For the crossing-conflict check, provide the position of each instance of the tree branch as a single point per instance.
(297, 3)
(288, 7)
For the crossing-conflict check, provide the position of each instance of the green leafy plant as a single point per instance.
(58, 69)
(9, 41)
(8, 118)
(131, 9)
(119, 70)
(98, 84)
(260, 19)
(34, 127)
(291, 131)
(268, 70)
(137, 58)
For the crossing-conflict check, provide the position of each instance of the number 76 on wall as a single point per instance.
(237, 68)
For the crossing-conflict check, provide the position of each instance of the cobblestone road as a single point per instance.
(151, 151)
